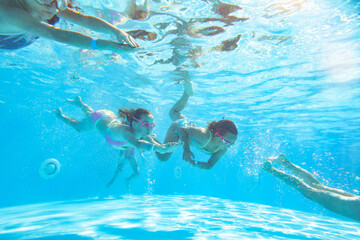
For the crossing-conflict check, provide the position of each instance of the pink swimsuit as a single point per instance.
(101, 114)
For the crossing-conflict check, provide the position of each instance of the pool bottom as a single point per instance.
(167, 217)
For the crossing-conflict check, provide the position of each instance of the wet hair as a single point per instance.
(224, 126)
(129, 114)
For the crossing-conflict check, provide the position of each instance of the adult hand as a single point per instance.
(122, 36)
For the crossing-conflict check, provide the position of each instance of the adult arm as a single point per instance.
(32, 25)
(98, 25)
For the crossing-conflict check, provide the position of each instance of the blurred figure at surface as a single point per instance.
(23, 21)
(281, 8)
(335, 200)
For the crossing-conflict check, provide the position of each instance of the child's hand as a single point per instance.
(188, 156)
(170, 147)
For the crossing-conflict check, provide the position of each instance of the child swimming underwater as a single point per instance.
(124, 136)
(213, 140)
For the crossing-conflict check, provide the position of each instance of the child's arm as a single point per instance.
(184, 137)
(145, 145)
(212, 160)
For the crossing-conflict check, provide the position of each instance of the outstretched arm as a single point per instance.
(150, 146)
(98, 25)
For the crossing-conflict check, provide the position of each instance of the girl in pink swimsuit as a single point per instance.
(125, 135)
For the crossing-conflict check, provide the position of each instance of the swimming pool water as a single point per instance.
(168, 217)
(290, 83)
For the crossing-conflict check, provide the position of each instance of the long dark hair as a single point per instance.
(224, 126)
(129, 115)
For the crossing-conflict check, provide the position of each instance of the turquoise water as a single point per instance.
(291, 85)
(167, 217)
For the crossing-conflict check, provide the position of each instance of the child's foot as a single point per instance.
(267, 166)
(281, 159)
(58, 113)
(188, 89)
(76, 101)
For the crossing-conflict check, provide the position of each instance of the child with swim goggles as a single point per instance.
(133, 133)
(213, 140)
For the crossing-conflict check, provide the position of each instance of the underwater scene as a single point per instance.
(179, 119)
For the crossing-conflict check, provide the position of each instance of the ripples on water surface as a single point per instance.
(286, 72)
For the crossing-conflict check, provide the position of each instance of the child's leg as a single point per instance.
(81, 126)
(175, 111)
(84, 107)
(119, 168)
(135, 166)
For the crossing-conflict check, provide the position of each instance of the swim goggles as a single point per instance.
(60, 4)
(144, 123)
(226, 143)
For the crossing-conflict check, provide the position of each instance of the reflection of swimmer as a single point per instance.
(25, 19)
(213, 140)
(224, 9)
(49, 168)
(227, 45)
(280, 38)
(125, 136)
(281, 8)
(336, 200)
